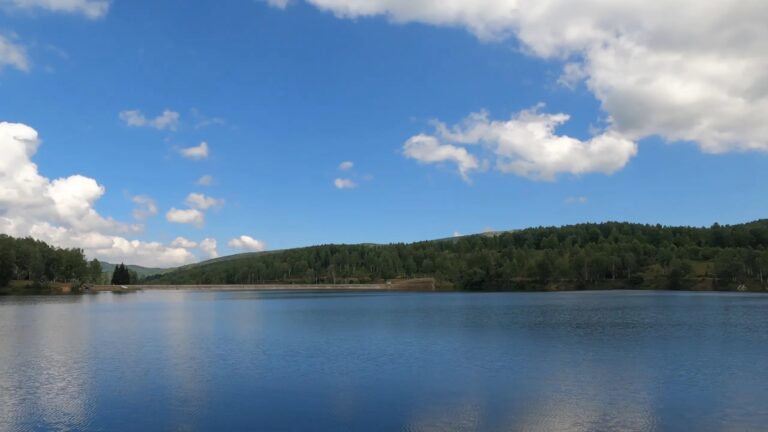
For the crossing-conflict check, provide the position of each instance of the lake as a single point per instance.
(388, 361)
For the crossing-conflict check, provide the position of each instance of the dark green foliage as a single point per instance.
(585, 255)
(123, 276)
(677, 270)
(31, 260)
(7, 260)
(95, 274)
(580, 256)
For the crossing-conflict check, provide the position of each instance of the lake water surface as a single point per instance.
(192, 360)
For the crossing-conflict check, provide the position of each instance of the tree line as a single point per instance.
(576, 256)
(38, 263)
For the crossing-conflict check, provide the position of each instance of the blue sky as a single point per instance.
(283, 95)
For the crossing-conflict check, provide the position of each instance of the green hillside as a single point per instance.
(606, 255)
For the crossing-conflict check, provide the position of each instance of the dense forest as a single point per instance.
(606, 255)
(37, 265)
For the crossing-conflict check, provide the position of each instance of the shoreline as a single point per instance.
(412, 285)
(420, 284)
(347, 288)
(249, 287)
(416, 284)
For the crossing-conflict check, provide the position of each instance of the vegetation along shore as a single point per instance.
(586, 256)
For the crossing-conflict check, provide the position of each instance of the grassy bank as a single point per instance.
(18, 287)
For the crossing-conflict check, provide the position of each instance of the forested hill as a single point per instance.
(582, 256)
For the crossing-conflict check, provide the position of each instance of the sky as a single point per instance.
(166, 132)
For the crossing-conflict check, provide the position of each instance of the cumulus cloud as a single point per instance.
(197, 152)
(684, 70)
(344, 183)
(151, 254)
(209, 248)
(90, 8)
(12, 54)
(194, 215)
(428, 149)
(205, 180)
(167, 120)
(181, 242)
(247, 243)
(186, 216)
(146, 207)
(351, 178)
(488, 19)
(525, 145)
(62, 211)
(202, 202)
(74, 199)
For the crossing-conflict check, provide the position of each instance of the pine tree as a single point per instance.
(121, 275)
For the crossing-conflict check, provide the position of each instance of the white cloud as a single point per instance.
(13, 54)
(205, 180)
(202, 202)
(427, 149)
(684, 70)
(90, 8)
(247, 243)
(209, 248)
(186, 216)
(488, 19)
(181, 242)
(198, 152)
(150, 254)
(573, 74)
(167, 120)
(576, 200)
(344, 183)
(346, 166)
(525, 145)
(62, 211)
(193, 215)
(74, 198)
(456, 234)
(146, 207)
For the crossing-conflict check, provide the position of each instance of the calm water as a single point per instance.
(384, 361)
